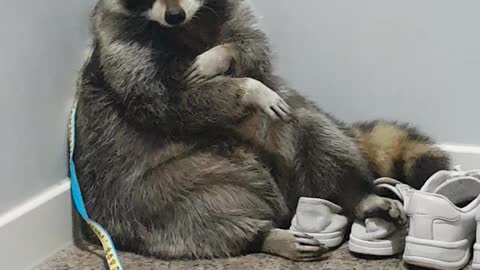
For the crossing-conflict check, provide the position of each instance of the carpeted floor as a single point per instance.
(76, 259)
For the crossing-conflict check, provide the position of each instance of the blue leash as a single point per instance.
(108, 246)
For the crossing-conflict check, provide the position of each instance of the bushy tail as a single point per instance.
(399, 151)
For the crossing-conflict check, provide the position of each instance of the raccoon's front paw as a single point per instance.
(260, 96)
(209, 64)
(376, 206)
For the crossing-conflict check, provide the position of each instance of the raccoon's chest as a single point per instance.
(193, 39)
(200, 40)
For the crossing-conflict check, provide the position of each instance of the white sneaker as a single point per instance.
(382, 238)
(441, 234)
(321, 219)
(376, 236)
(476, 247)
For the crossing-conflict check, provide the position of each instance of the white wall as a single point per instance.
(42, 46)
(416, 61)
(41, 49)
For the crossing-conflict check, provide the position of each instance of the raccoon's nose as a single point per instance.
(175, 15)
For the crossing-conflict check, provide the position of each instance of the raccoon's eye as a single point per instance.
(138, 5)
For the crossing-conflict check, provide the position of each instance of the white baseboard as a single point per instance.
(468, 156)
(36, 229)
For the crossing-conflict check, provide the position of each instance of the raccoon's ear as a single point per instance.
(137, 5)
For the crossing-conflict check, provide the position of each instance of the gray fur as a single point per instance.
(175, 170)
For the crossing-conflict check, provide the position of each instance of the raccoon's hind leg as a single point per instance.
(220, 207)
(293, 245)
(330, 166)
(376, 206)
(315, 158)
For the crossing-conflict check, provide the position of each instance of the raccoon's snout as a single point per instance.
(172, 13)
(175, 15)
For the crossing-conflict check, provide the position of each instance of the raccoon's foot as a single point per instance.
(260, 96)
(214, 62)
(376, 206)
(294, 246)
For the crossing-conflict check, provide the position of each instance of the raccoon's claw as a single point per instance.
(376, 206)
(264, 98)
(209, 64)
(281, 110)
(194, 76)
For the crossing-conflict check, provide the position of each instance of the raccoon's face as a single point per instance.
(169, 13)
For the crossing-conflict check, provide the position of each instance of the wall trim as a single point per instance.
(37, 228)
(34, 202)
(41, 226)
(467, 156)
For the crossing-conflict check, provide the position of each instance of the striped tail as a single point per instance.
(399, 151)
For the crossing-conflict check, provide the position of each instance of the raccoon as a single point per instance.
(188, 146)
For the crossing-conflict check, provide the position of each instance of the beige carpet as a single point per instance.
(341, 259)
